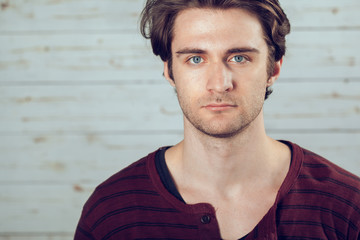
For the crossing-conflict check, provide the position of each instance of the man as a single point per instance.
(227, 179)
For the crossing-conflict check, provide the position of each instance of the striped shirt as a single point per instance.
(317, 200)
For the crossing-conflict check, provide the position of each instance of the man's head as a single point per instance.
(158, 18)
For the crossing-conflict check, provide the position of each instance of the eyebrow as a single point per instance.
(229, 51)
(191, 50)
(242, 50)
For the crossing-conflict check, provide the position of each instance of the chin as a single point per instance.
(222, 135)
(229, 133)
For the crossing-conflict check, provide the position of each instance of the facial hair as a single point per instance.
(216, 127)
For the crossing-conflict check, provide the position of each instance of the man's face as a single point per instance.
(219, 63)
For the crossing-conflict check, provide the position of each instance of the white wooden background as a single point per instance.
(81, 97)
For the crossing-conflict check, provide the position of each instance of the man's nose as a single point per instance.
(219, 78)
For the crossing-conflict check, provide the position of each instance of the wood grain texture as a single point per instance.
(322, 15)
(122, 15)
(300, 106)
(82, 96)
(37, 183)
(126, 58)
(69, 15)
(47, 158)
(36, 236)
(45, 208)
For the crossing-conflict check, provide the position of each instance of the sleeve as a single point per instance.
(83, 232)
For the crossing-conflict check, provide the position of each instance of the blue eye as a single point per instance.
(238, 58)
(196, 59)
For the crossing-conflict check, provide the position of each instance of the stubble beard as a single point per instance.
(216, 128)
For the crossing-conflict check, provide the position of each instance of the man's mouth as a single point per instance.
(220, 107)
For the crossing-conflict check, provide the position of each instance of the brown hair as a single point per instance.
(158, 17)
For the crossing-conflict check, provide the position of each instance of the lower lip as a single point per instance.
(219, 108)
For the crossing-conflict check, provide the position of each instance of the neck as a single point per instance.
(230, 158)
(202, 160)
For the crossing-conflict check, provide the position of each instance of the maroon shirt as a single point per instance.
(317, 200)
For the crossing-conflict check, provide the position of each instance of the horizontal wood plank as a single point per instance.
(314, 106)
(36, 236)
(154, 107)
(327, 55)
(82, 96)
(63, 158)
(111, 15)
(70, 15)
(77, 58)
(67, 159)
(83, 58)
(322, 14)
(47, 202)
(41, 208)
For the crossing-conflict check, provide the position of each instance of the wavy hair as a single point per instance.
(158, 18)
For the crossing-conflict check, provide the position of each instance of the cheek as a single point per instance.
(188, 81)
(251, 79)
(186, 95)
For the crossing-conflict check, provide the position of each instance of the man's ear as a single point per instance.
(167, 74)
(276, 73)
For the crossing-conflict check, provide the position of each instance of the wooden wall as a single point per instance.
(81, 97)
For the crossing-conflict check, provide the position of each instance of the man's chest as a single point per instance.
(237, 220)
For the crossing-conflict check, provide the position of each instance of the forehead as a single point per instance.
(217, 28)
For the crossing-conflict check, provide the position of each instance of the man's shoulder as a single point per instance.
(136, 170)
(123, 186)
(322, 180)
(323, 201)
(315, 166)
